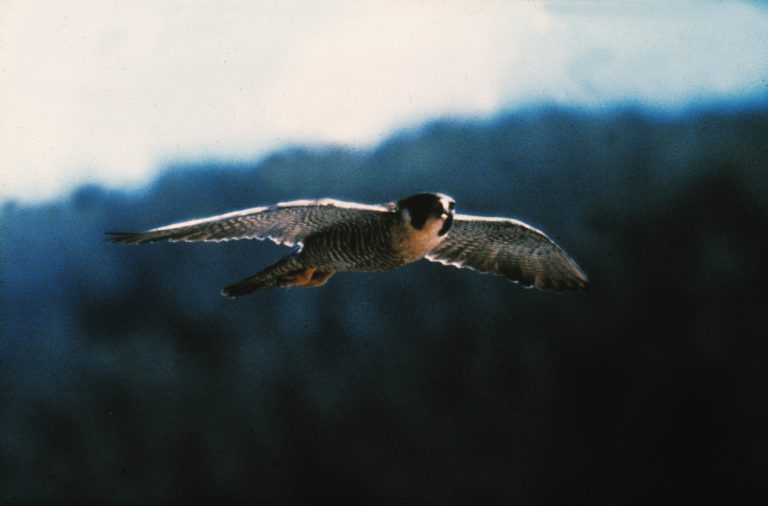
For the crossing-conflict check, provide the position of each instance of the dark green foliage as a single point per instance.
(125, 377)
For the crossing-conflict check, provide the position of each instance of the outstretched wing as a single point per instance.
(509, 248)
(288, 223)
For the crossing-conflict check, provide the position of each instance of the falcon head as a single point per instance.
(427, 210)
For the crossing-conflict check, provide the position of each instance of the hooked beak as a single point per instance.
(447, 225)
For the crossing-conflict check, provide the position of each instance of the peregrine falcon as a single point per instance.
(332, 236)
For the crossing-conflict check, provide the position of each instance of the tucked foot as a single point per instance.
(319, 278)
(296, 278)
(308, 278)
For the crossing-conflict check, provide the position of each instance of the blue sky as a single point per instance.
(109, 92)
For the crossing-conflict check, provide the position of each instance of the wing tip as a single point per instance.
(578, 283)
(581, 285)
(560, 286)
(582, 282)
(572, 278)
(585, 286)
(127, 237)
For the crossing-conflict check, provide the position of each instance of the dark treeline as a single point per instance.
(126, 378)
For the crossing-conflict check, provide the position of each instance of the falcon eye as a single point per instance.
(451, 206)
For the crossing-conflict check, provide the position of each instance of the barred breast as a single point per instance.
(355, 245)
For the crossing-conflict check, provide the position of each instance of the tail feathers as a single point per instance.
(249, 285)
(270, 276)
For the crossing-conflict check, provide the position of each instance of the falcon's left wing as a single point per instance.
(509, 248)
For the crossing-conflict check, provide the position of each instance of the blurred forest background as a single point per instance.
(126, 378)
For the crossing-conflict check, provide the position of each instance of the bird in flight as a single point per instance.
(333, 236)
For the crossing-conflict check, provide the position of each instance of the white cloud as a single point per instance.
(108, 91)
(368, 69)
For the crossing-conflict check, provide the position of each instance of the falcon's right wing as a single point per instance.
(288, 223)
